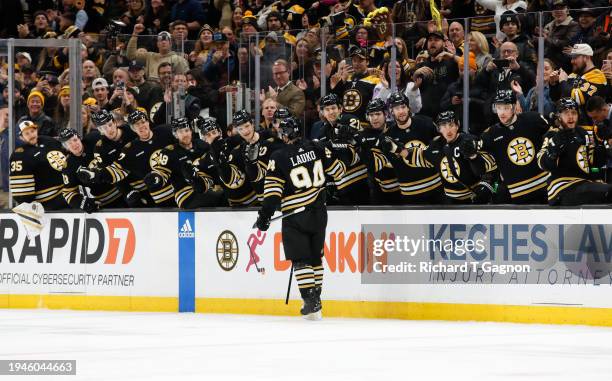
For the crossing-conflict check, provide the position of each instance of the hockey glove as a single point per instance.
(468, 147)
(89, 205)
(558, 143)
(135, 200)
(154, 181)
(483, 192)
(263, 221)
(251, 152)
(388, 145)
(88, 176)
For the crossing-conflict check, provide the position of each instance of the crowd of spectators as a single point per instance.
(173, 58)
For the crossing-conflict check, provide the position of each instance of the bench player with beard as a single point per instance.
(87, 197)
(36, 169)
(573, 155)
(339, 128)
(385, 189)
(455, 156)
(418, 185)
(174, 166)
(295, 178)
(136, 160)
(514, 143)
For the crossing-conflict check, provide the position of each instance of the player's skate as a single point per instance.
(311, 310)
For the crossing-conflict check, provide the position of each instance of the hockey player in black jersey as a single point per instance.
(296, 178)
(340, 128)
(574, 155)
(256, 150)
(174, 166)
(420, 185)
(87, 197)
(454, 156)
(36, 169)
(384, 186)
(136, 160)
(514, 143)
(228, 159)
(112, 138)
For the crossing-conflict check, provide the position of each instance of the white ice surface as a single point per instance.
(166, 346)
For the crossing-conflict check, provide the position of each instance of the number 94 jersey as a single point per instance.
(296, 176)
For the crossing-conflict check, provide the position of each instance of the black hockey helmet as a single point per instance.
(179, 124)
(397, 98)
(375, 104)
(136, 116)
(504, 97)
(330, 100)
(241, 117)
(282, 113)
(446, 117)
(66, 134)
(566, 104)
(206, 125)
(100, 118)
(290, 128)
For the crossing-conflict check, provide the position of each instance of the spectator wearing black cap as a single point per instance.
(153, 59)
(248, 27)
(352, 84)
(510, 25)
(190, 11)
(587, 30)
(149, 92)
(559, 35)
(437, 74)
(202, 47)
(180, 32)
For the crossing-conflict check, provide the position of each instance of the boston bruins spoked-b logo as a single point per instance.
(582, 159)
(57, 160)
(521, 151)
(447, 173)
(351, 100)
(227, 250)
(411, 144)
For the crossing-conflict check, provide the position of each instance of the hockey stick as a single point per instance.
(295, 211)
(289, 285)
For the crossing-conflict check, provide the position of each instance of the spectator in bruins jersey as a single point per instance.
(454, 155)
(36, 169)
(340, 127)
(354, 84)
(514, 143)
(384, 187)
(193, 188)
(417, 185)
(296, 178)
(574, 156)
(78, 195)
(584, 82)
(136, 160)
